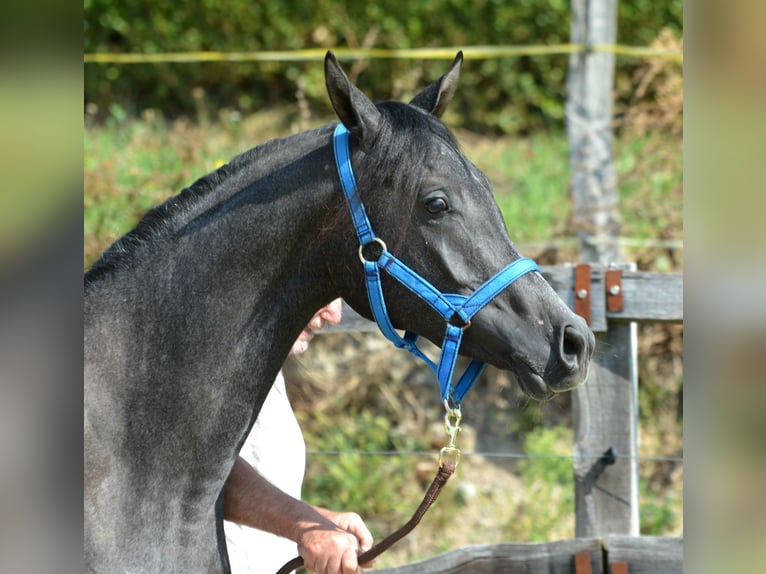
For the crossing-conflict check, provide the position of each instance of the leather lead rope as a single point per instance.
(446, 469)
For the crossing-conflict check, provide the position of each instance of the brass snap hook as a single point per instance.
(452, 419)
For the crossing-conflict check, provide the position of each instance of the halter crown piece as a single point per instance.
(451, 307)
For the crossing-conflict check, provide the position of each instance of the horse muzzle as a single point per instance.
(568, 364)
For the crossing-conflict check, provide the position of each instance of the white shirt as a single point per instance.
(276, 449)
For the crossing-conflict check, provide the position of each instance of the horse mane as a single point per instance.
(402, 142)
(176, 211)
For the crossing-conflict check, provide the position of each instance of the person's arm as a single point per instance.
(328, 541)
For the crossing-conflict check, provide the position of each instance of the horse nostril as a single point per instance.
(573, 346)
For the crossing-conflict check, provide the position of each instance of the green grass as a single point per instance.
(378, 487)
(546, 477)
(531, 181)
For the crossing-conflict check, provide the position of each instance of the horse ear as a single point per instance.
(354, 109)
(434, 98)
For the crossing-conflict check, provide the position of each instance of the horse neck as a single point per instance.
(215, 301)
(185, 331)
(256, 238)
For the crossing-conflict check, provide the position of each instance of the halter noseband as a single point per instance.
(452, 307)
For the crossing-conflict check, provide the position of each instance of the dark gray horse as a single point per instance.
(189, 317)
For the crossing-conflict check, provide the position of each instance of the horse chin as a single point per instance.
(537, 388)
(534, 386)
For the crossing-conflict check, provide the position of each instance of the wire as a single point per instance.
(639, 458)
(629, 242)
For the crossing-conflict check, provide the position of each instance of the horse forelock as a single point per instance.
(408, 140)
(408, 137)
(208, 190)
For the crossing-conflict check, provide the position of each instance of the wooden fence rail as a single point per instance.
(608, 555)
(647, 297)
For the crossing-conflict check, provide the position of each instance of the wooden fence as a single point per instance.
(613, 298)
(608, 555)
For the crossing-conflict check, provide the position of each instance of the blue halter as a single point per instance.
(451, 307)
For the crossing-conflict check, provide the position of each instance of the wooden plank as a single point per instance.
(651, 297)
(606, 495)
(634, 555)
(646, 554)
(604, 412)
(647, 297)
(532, 558)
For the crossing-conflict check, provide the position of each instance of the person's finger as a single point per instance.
(356, 526)
(349, 563)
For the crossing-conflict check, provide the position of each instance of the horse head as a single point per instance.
(435, 210)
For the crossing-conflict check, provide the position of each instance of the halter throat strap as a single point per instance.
(457, 310)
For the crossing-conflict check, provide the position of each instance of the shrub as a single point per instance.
(506, 95)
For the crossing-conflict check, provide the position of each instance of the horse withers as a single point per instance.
(189, 317)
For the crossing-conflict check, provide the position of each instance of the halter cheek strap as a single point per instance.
(453, 308)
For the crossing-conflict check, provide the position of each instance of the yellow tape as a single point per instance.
(639, 52)
(471, 52)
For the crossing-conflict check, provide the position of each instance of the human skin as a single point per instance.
(328, 541)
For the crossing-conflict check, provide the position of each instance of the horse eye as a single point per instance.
(435, 205)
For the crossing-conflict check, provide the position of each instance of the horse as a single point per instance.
(189, 316)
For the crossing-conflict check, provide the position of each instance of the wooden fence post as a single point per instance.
(605, 414)
(590, 83)
(605, 408)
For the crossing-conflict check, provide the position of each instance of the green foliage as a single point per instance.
(548, 486)
(133, 165)
(650, 185)
(659, 512)
(507, 95)
(379, 487)
(534, 197)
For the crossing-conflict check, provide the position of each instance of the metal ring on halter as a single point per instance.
(452, 412)
(377, 240)
(465, 324)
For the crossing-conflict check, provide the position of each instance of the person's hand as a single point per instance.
(334, 547)
(329, 542)
(353, 523)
